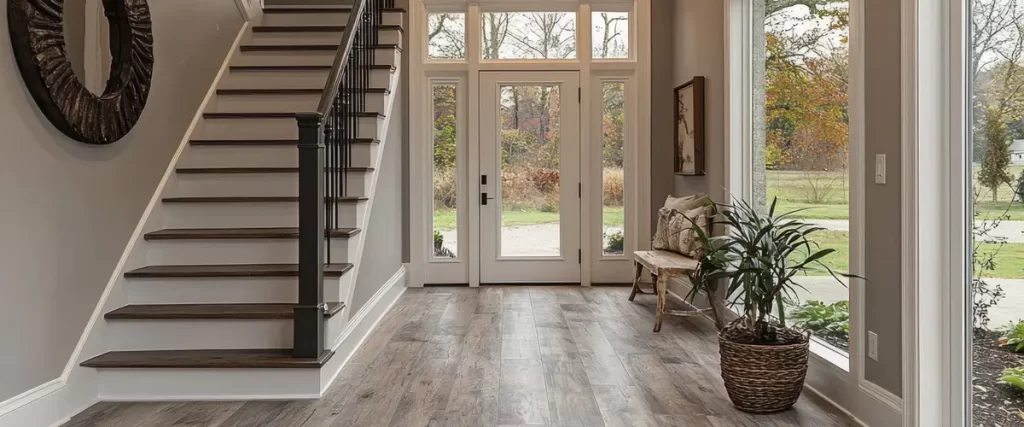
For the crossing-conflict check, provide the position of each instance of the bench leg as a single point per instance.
(636, 280)
(661, 287)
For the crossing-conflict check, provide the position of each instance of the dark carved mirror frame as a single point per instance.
(37, 35)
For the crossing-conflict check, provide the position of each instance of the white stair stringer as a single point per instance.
(344, 330)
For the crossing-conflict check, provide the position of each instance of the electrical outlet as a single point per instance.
(880, 169)
(873, 346)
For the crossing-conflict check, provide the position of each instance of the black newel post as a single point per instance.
(309, 313)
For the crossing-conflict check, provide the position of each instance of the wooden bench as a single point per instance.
(663, 266)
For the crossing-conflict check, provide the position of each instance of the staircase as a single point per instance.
(206, 305)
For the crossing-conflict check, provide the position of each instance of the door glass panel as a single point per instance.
(530, 178)
(612, 177)
(446, 204)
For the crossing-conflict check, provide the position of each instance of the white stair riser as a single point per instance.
(305, 57)
(387, 36)
(198, 334)
(363, 155)
(211, 291)
(272, 103)
(243, 215)
(133, 385)
(203, 334)
(262, 184)
(227, 290)
(246, 79)
(262, 251)
(269, 128)
(317, 19)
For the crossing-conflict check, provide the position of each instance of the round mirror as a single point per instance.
(107, 112)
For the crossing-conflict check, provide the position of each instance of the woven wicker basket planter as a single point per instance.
(763, 379)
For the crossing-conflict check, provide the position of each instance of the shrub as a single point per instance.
(445, 188)
(439, 250)
(545, 180)
(830, 322)
(1013, 336)
(616, 243)
(614, 187)
(1014, 377)
(518, 191)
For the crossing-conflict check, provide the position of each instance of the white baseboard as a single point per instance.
(362, 324)
(55, 402)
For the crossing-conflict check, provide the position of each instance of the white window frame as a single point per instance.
(636, 67)
(936, 213)
(426, 42)
(831, 373)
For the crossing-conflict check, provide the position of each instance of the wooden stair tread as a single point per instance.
(200, 359)
(230, 270)
(275, 115)
(254, 199)
(299, 67)
(321, 9)
(241, 233)
(299, 91)
(249, 142)
(212, 311)
(257, 170)
(312, 28)
(314, 47)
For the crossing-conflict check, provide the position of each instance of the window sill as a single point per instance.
(830, 354)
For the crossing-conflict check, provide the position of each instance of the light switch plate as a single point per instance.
(873, 346)
(880, 169)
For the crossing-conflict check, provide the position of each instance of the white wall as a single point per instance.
(68, 209)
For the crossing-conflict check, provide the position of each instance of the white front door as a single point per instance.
(530, 177)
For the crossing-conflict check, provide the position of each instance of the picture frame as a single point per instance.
(688, 140)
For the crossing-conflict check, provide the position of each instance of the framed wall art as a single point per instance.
(689, 131)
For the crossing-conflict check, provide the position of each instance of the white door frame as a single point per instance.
(637, 68)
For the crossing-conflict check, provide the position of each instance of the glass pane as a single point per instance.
(801, 146)
(611, 34)
(445, 175)
(528, 35)
(446, 36)
(530, 178)
(613, 132)
(996, 137)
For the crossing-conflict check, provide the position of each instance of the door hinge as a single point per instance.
(580, 189)
(579, 95)
(579, 256)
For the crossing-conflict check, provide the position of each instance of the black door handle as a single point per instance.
(484, 198)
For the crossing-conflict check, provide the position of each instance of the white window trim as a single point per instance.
(637, 66)
(935, 156)
(828, 376)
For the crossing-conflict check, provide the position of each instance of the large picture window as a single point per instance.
(801, 143)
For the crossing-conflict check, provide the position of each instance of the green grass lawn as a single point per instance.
(444, 219)
(1009, 260)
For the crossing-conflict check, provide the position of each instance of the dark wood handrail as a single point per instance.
(334, 79)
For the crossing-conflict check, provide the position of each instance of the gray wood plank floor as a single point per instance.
(505, 356)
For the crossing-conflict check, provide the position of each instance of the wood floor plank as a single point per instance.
(193, 414)
(522, 395)
(605, 369)
(624, 407)
(655, 384)
(490, 300)
(374, 401)
(457, 315)
(257, 413)
(326, 409)
(428, 393)
(419, 325)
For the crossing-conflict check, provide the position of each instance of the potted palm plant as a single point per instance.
(763, 361)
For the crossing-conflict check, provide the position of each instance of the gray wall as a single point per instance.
(698, 48)
(382, 253)
(882, 247)
(68, 209)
